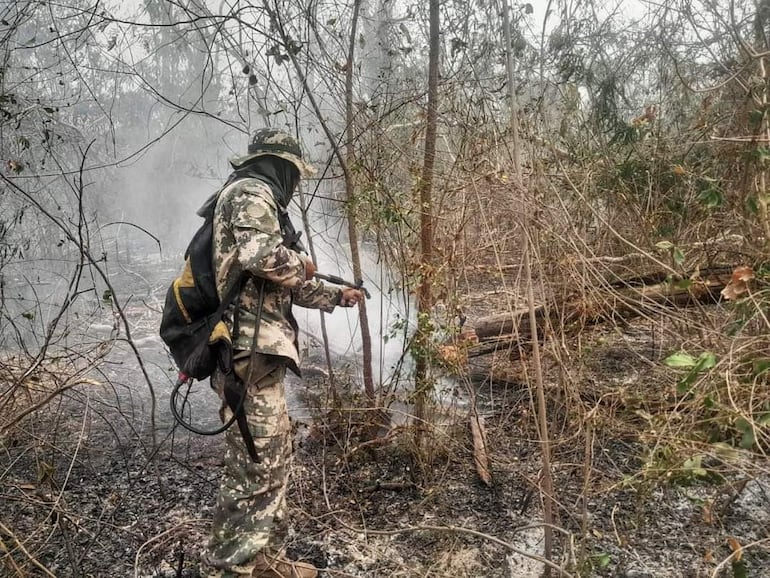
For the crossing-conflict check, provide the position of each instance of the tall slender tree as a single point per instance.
(424, 291)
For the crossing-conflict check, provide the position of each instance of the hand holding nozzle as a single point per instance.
(340, 281)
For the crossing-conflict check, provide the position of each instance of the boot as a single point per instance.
(275, 566)
(207, 570)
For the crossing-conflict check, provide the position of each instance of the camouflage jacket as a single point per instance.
(247, 237)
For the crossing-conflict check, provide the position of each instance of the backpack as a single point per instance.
(193, 328)
(191, 325)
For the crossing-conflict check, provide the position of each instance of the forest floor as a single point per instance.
(88, 497)
(373, 511)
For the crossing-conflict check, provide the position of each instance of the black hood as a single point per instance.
(281, 175)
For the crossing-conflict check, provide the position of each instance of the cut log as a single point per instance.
(624, 300)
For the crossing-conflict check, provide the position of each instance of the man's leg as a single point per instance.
(252, 496)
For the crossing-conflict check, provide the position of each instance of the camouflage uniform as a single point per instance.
(251, 506)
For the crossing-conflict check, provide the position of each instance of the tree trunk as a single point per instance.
(424, 296)
(355, 255)
(542, 418)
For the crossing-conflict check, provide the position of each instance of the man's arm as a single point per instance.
(258, 236)
(316, 295)
(262, 252)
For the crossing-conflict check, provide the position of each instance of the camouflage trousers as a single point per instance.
(250, 513)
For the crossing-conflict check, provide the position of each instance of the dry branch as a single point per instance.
(480, 456)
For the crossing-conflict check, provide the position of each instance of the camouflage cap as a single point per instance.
(270, 141)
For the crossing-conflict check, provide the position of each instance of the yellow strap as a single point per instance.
(220, 332)
(178, 297)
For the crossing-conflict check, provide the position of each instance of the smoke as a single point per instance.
(387, 311)
(161, 192)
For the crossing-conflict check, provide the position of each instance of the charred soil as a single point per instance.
(638, 494)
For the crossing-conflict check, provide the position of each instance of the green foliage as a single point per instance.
(397, 328)
(695, 367)
(746, 428)
(693, 468)
(677, 254)
(710, 193)
(602, 560)
(739, 569)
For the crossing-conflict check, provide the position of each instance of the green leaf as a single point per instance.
(762, 271)
(760, 366)
(695, 467)
(28, 315)
(664, 245)
(762, 154)
(739, 569)
(683, 385)
(706, 360)
(603, 560)
(678, 256)
(711, 197)
(680, 360)
(748, 439)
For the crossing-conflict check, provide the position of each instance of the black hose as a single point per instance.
(190, 427)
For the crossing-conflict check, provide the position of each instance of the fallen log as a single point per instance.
(622, 300)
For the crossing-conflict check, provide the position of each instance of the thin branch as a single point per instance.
(7, 531)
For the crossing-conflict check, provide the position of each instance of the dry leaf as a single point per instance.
(452, 355)
(742, 274)
(736, 547)
(739, 283)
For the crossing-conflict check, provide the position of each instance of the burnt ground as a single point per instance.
(96, 505)
(84, 494)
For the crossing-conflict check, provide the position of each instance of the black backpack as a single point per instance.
(193, 328)
(192, 325)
